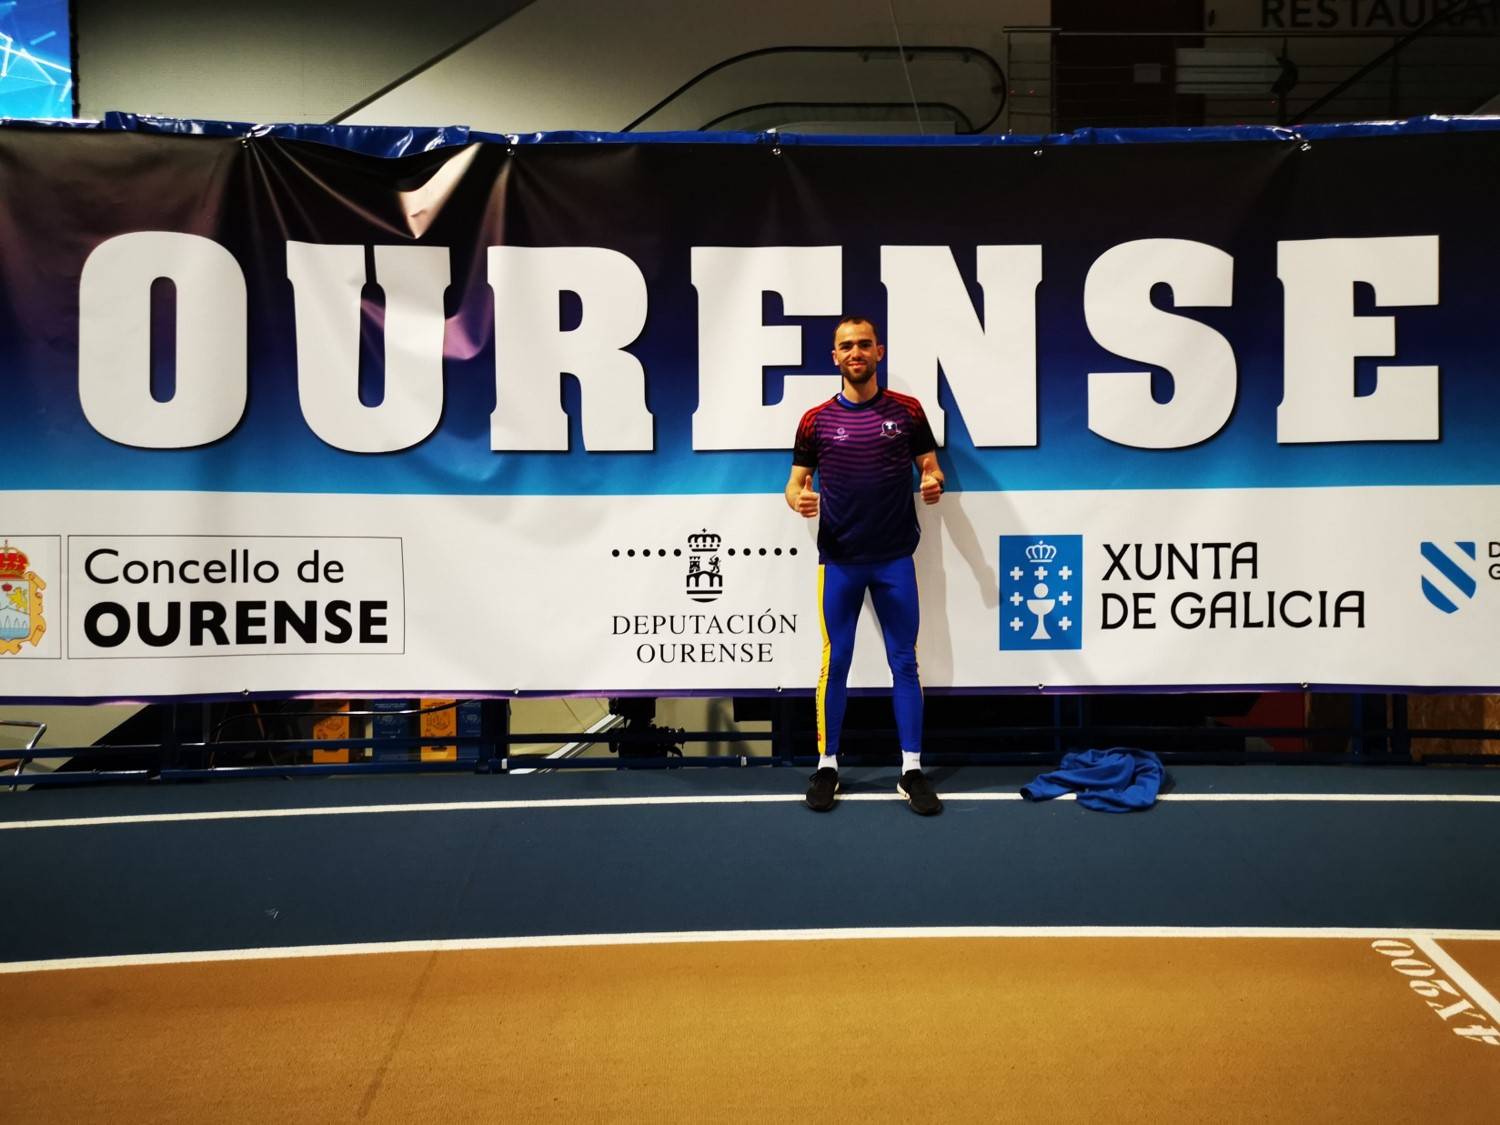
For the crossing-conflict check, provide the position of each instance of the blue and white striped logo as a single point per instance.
(1447, 581)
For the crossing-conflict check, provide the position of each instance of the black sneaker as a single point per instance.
(820, 794)
(918, 793)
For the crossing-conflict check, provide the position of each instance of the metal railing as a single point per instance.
(1376, 733)
(987, 83)
(25, 754)
(774, 115)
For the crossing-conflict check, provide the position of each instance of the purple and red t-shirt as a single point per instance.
(863, 453)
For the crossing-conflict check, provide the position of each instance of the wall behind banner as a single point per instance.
(553, 64)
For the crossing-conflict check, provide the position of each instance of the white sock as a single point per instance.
(911, 760)
(828, 763)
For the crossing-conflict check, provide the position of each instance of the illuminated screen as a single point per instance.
(36, 59)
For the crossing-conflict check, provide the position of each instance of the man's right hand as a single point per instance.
(807, 501)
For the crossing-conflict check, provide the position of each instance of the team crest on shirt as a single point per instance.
(890, 428)
(21, 620)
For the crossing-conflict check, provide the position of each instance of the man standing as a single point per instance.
(862, 443)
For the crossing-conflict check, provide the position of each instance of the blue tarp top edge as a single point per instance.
(372, 140)
(393, 141)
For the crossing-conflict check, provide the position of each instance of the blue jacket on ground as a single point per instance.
(1116, 780)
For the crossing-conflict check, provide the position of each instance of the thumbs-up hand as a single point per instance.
(807, 500)
(932, 487)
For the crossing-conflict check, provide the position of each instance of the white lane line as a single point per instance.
(705, 799)
(1460, 976)
(422, 807)
(695, 937)
(1346, 798)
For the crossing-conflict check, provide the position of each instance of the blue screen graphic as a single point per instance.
(36, 59)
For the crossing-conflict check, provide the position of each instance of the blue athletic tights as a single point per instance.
(841, 595)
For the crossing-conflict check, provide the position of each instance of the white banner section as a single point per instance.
(108, 595)
(166, 596)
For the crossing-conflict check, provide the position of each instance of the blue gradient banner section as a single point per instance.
(66, 192)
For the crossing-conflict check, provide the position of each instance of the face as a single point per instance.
(856, 351)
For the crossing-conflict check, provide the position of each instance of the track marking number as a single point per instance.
(1441, 995)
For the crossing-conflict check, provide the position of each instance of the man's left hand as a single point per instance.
(932, 487)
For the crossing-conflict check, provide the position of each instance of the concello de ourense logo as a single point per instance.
(21, 620)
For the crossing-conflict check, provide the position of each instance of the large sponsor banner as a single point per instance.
(516, 417)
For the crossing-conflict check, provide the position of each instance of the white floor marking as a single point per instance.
(1354, 798)
(1460, 976)
(554, 941)
(707, 799)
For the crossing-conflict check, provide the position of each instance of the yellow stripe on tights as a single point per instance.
(823, 673)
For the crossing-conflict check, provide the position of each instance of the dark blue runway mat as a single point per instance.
(255, 882)
(334, 791)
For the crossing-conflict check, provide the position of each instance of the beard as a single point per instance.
(858, 378)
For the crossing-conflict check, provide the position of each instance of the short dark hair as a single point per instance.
(856, 318)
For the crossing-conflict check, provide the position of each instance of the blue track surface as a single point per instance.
(248, 883)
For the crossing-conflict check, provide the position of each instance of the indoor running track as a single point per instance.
(1268, 943)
